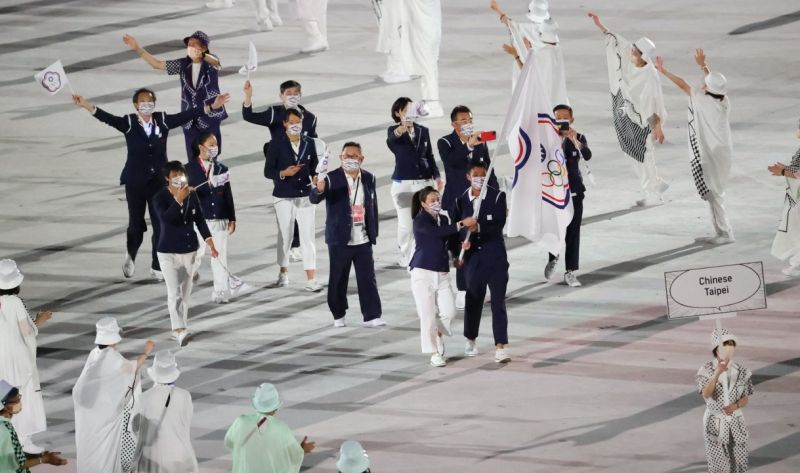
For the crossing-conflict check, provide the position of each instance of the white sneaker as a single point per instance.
(29, 447)
(219, 297)
(295, 255)
(650, 201)
(722, 240)
(440, 345)
(461, 300)
(550, 268)
(265, 25)
(217, 4)
(315, 45)
(338, 322)
(792, 271)
(434, 109)
(283, 279)
(470, 349)
(128, 267)
(379, 322)
(571, 279)
(393, 77)
(156, 274)
(438, 360)
(313, 286)
(275, 19)
(183, 337)
(501, 356)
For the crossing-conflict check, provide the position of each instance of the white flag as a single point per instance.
(53, 78)
(541, 205)
(323, 157)
(252, 61)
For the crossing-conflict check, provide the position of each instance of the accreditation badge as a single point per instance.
(358, 214)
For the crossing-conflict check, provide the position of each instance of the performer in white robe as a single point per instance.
(106, 398)
(18, 331)
(637, 107)
(165, 443)
(710, 141)
(314, 16)
(410, 32)
(786, 245)
(266, 15)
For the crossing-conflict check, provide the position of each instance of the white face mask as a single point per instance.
(467, 129)
(194, 53)
(350, 164)
(291, 101)
(178, 181)
(213, 152)
(295, 129)
(435, 207)
(146, 108)
(477, 182)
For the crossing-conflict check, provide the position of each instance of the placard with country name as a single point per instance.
(715, 290)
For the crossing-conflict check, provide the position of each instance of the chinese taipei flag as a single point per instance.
(541, 206)
(53, 78)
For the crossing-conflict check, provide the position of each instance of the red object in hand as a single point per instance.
(488, 136)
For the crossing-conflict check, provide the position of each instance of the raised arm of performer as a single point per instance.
(160, 64)
(596, 20)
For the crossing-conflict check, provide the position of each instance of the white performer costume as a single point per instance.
(266, 15)
(549, 58)
(786, 245)
(314, 16)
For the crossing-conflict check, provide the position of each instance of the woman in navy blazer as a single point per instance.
(179, 211)
(211, 181)
(292, 165)
(414, 168)
(430, 270)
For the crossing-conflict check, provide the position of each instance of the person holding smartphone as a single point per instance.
(575, 148)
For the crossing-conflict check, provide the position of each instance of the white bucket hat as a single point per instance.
(352, 458)
(10, 277)
(538, 10)
(716, 83)
(266, 399)
(107, 332)
(647, 47)
(720, 337)
(5, 388)
(548, 32)
(164, 369)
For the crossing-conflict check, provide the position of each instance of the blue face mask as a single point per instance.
(435, 207)
(477, 182)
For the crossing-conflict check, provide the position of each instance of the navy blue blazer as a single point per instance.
(147, 154)
(217, 202)
(432, 242)
(200, 94)
(280, 156)
(273, 117)
(413, 159)
(177, 233)
(573, 157)
(491, 221)
(457, 159)
(339, 222)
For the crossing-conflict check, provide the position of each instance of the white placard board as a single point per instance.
(715, 290)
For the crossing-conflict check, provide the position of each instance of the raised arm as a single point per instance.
(496, 8)
(154, 62)
(677, 80)
(700, 59)
(597, 23)
(121, 124)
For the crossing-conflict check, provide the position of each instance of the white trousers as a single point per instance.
(433, 290)
(402, 195)
(219, 233)
(263, 11)
(719, 217)
(178, 269)
(314, 15)
(287, 211)
(647, 172)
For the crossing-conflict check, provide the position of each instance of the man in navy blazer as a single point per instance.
(146, 135)
(351, 228)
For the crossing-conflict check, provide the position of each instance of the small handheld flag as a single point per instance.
(252, 62)
(53, 78)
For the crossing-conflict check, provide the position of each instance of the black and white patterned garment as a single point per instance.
(19, 454)
(632, 136)
(793, 166)
(697, 167)
(725, 436)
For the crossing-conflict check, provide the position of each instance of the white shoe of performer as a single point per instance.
(571, 279)
(470, 349)
(313, 286)
(156, 274)
(501, 356)
(128, 267)
(283, 279)
(438, 360)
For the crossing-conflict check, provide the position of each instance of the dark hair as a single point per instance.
(289, 84)
(477, 164)
(102, 347)
(200, 140)
(459, 109)
(292, 111)
(12, 393)
(353, 144)
(716, 96)
(563, 107)
(419, 197)
(142, 91)
(398, 105)
(173, 166)
(9, 292)
(714, 351)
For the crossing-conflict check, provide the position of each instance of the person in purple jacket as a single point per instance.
(430, 270)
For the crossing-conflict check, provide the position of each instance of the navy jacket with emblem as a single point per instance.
(280, 156)
(217, 202)
(432, 239)
(339, 222)
(573, 157)
(147, 154)
(200, 94)
(178, 221)
(413, 159)
(457, 158)
(492, 219)
(273, 117)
